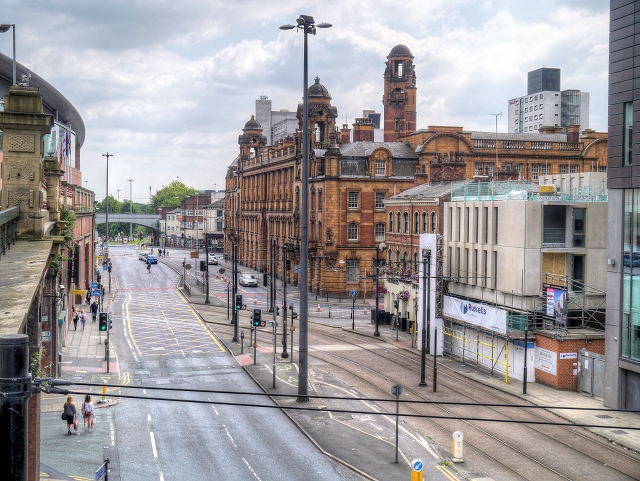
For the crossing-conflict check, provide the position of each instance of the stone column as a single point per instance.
(24, 123)
(53, 172)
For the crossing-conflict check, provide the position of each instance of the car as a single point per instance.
(212, 259)
(248, 280)
(142, 256)
(152, 259)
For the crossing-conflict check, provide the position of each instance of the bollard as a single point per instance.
(457, 447)
(318, 307)
(104, 392)
(242, 342)
(329, 312)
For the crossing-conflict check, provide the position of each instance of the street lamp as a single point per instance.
(106, 209)
(307, 24)
(379, 249)
(426, 318)
(4, 28)
(131, 208)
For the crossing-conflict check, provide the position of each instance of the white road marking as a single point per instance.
(144, 391)
(153, 444)
(250, 468)
(377, 427)
(148, 418)
(230, 437)
(161, 476)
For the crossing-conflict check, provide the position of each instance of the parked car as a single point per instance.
(248, 280)
(142, 255)
(152, 259)
(212, 259)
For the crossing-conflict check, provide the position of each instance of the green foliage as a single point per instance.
(35, 366)
(172, 195)
(69, 217)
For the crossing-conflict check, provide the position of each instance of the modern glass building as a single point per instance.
(543, 80)
(622, 376)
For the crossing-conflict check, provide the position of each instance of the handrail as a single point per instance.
(8, 224)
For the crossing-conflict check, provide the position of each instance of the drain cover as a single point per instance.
(604, 416)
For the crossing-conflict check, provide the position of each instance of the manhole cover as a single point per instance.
(619, 431)
(604, 416)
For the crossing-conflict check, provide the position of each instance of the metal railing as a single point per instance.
(8, 223)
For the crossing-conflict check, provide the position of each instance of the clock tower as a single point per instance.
(399, 98)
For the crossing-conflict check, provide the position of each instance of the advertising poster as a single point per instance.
(546, 360)
(480, 315)
(557, 304)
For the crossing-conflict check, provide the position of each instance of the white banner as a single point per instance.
(480, 315)
(546, 360)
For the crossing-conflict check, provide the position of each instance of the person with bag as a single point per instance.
(76, 317)
(83, 318)
(94, 311)
(88, 413)
(69, 414)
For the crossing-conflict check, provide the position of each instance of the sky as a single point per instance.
(166, 86)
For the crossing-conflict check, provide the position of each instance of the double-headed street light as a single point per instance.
(5, 28)
(106, 207)
(379, 249)
(307, 24)
(426, 315)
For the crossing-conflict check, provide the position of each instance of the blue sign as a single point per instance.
(417, 465)
(97, 293)
(94, 285)
(354, 292)
(101, 471)
(105, 267)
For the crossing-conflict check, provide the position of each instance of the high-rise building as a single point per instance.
(276, 124)
(622, 332)
(545, 105)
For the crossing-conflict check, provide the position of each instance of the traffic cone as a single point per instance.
(255, 300)
(365, 310)
(319, 310)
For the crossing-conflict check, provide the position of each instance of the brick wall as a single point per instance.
(448, 171)
(564, 378)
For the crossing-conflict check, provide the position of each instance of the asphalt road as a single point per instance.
(159, 341)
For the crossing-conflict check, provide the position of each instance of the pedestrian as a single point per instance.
(70, 415)
(76, 316)
(88, 296)
(88, 413)
(149, 267)
(166, 254)
(94, 311)
(83, 318)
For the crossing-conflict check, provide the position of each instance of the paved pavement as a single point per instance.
(83, 357)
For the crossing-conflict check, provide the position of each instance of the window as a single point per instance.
(352, 232)
(535, 168)
(535, 97)
(219, 226)
(545, 169)
(390, 221)
(381, 168)
(494, 278)
(526, 110)
(433, 222)
(495, 225)
(535, 127)
(478, 168)
(353, 270)
(540, 116)
(535, 108)
(399, 219)
(379, 232)
(353, 200)
(475, 224)
(406, 222)
(425, 218)
(573, 169)
(578, 227)
(541, 96)
(485, 226)
(466, 224)
(628, 133)
(319, 201)
(380, 200)
(535, 117)
(563, 169)
(218, 213)
(189, 212)
(416, 223)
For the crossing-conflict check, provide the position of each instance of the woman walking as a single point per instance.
(76, 316)
(88, 413)
(70, 413)
(83, 318)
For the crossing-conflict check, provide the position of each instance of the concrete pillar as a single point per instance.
(24, 123)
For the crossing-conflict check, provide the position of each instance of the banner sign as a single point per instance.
(546, 360)
(557, 304)
(480, 315)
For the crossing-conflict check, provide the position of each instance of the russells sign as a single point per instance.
(480, 315)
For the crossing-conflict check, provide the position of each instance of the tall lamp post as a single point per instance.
(106, 208)
(379, 249)
(307, 24)
(4, 28)
(131, 209)
(426, 317)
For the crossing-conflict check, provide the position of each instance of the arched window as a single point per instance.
(415, 262)
(405, 259)
(433, 222)
(398, 257)
(416, 223)
(390, 255)
(399, 216)
(406, 222)
(425, 220)
(390, 221)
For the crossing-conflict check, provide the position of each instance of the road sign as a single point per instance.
(396, 390)
(105, 267)
(354, 292)
(296, 269)
(101, 471)
(416, 470)
(96, 293)
(94, 285)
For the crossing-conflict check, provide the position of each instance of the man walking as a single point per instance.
(94, 311)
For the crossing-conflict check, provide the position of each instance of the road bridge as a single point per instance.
(147, 220)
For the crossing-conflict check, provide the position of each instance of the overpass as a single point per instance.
(147, 220)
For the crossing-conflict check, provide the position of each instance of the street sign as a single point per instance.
(105, 267)
(396, 390)
(416, 470)
(101, 471)
(354, 292)
(296, 269)
(96, 293)
(187, 266)
(80, 292)
(94, 285)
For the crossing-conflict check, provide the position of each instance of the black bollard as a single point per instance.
(15, 388)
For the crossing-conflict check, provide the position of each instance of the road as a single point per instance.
(159, 341)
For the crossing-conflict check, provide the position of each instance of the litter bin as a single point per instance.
(403, 324)
(382, 317)
(410, 326)
(265, 279)
(389, 318)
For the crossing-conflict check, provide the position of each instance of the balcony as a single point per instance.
(553, 237)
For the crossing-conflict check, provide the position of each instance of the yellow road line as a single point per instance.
(195, 314)
(126, 313)
(126, 379)
(444, 470)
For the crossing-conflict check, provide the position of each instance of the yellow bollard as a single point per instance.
(104, 392)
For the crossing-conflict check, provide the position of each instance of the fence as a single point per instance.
(8, 222)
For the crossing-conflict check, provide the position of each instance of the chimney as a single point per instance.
(573, 133)
(550, 129)
(345, 134)
(421, 176)
(363, 130)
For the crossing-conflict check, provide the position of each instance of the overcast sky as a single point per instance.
(167, 86)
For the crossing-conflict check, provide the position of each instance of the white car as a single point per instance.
(212, 259)
(248, 280)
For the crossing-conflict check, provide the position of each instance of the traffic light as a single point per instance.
(294, 315)
(103, 318)
(239, 302)
(395, 304)
(277, 311)
(257, 318)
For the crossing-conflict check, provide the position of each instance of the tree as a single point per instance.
(172, 195)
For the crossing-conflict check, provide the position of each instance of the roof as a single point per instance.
(401, 150)
(53, 100)
(424, 191)
(513, 136)
(252, 124)
(400, 51)
(319, 90)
